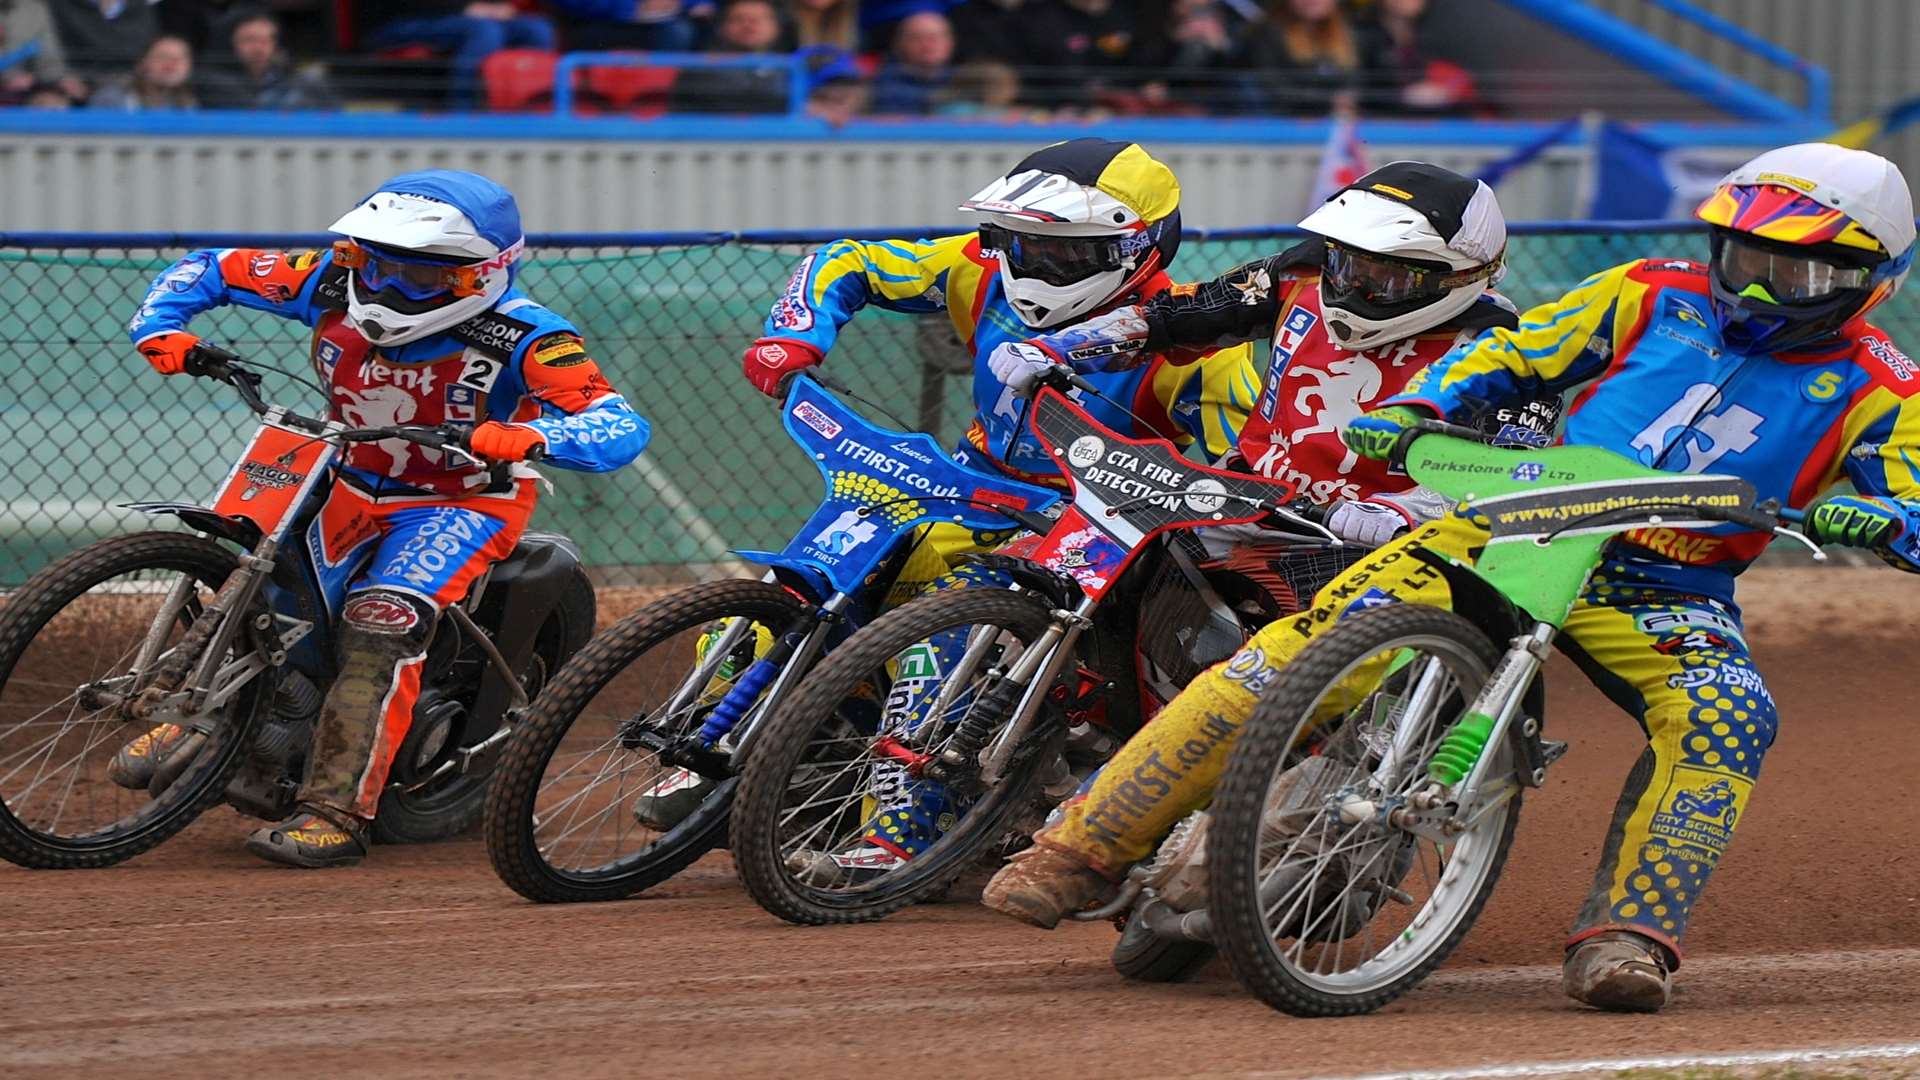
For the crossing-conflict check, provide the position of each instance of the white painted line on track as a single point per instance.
(1891, 1052)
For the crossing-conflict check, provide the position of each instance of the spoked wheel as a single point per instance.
(76, 641)
(838, 820)
(1321, 906)
(582, 807)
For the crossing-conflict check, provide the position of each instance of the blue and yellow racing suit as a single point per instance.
(1657, 629)
(1204, 402)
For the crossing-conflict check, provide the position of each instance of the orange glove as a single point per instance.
(768, 361)
(167, 351)
(505, 442)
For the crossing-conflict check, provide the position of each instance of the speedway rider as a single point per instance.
(1400, 270)
(1760, 365)
(1073, 230)
(416, 320)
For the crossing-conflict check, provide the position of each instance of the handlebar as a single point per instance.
(1397, 457)
(1064, 378)
(206, 361)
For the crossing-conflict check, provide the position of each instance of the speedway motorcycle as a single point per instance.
(227, 635)
(670, 700)
(1368, 806)
(1113, 610)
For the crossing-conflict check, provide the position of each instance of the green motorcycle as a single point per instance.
(1368, 808)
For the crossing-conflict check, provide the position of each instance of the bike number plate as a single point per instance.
(272, 478)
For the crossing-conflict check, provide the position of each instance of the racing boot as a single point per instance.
(1619, 971)
(314, 838)
(672, 799)
(917, 816)
(1043, 884)
(134, 765)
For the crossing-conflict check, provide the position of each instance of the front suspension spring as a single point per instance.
(1461, 748)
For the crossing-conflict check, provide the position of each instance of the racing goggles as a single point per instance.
(411, 276)
(1057, 260)
(1363, 280)
(1781, 274)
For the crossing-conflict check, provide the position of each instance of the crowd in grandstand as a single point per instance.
(948, 58)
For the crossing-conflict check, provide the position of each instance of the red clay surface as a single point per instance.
(196, 961)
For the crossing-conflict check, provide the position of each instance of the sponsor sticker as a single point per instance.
(1288, 336)
(1372, 598)
(263, 263)
(790, 311)
(809, 414)
(1085, 451)
(1527, 472)
(1206, 495)
(381, 614)
(560, 350)
(1896, 361)
(844, 533)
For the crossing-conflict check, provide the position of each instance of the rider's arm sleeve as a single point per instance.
(1208, 401)
(1239, 305)
(1881, 436)
(1557, 346)
(281, 282)
(829, 285)
(588, 426)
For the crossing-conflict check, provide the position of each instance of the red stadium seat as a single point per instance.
(642, 90)
(518, 80)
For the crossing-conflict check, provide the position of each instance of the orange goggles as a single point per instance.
(414, 279)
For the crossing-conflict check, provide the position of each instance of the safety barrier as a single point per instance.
(89, 427)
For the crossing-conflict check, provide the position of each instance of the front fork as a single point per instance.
(194, 662)
(1029, 679)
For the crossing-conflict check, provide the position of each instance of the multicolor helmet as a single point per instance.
(1806, 238)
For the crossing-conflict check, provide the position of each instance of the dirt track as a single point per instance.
(196, 961)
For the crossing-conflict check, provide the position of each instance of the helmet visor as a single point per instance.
(382, 270)
(1780, 275)
(1056, 260)
(1377, 286)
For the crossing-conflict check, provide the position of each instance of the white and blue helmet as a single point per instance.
(426, 252)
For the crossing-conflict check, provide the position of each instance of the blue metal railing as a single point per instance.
(1685, 71)
(794, 66)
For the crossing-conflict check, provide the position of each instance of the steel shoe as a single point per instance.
(672, 799)
(863, 863)
(1619, 971)
(314, 838)
(134, 765)
(1042, 885)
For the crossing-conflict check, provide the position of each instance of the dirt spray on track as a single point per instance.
(196, 961)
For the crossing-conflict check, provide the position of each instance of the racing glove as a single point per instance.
(496, 441)
(1855, 521)
(1373, 434)
(769, 362)
(167, 350)
(1020, 364)
(1367, 523)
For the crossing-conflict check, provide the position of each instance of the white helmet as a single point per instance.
(1409, 246)
(428, 251)
(1077, 226)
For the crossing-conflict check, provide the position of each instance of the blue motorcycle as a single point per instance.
(623, 771)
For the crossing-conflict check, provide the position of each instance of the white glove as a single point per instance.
(1020, 364)
(1368, 523)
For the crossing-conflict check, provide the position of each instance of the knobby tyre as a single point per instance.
(654, 638)
(1253, 800)
(78, 612)
(789, 741)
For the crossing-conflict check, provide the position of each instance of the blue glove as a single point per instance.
(1862, 521)
(1373, 434)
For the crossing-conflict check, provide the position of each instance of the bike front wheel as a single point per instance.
(1327, 897)
(564, 819)
(837, 767)
(78, 641)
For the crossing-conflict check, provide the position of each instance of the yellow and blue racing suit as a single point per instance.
(1657, 629)
(1203, 402)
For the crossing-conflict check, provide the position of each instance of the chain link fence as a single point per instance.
(90, 427)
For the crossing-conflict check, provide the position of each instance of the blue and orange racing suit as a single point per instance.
(1657, 629)
(406, 531)
(1204, 402)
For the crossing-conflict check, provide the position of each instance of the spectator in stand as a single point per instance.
(26, 23)
(258, 75)
(1400, 77)
(51, 95)
(1072, 46)
(204, 23)
(746, 28)
(837, 91)
(1192, 57)
(104, 38)
(1309, 53)
(911, 83)
(983, 89)
(994, 31)
(643, 25)
(827, 22)
(470, 31)
(163, 79)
